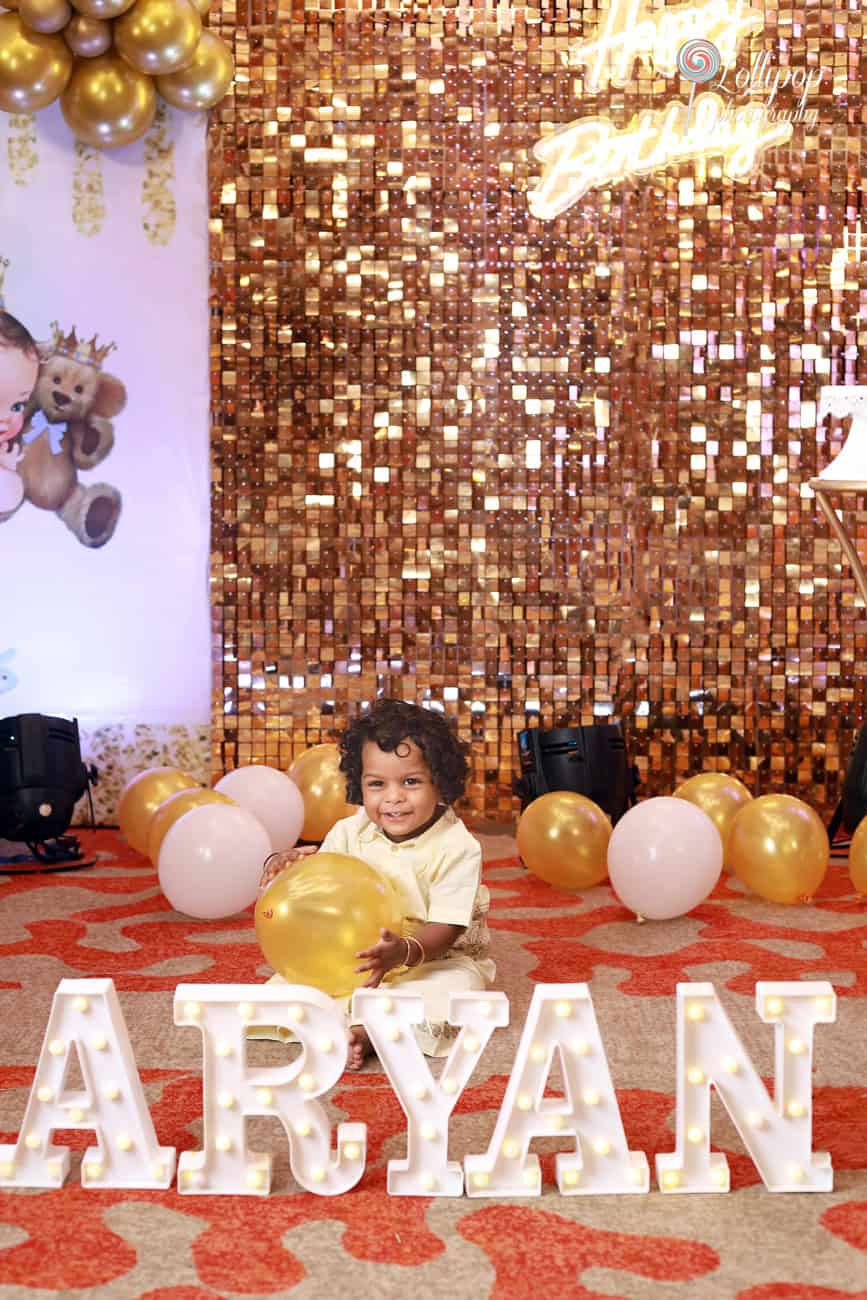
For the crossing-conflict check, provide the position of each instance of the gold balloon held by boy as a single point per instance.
(313, 919)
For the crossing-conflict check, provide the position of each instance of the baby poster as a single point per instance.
(104, 418)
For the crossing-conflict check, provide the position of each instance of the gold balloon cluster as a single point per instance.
(776, 845)
(106, 60)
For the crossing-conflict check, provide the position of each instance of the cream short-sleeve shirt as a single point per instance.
(437, 874)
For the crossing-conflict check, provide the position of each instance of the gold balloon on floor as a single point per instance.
(563, 839)
(323, 789)
(87, 37)
(173, 808)
(858, 857)
(204, 82)
(33, 68)
(321, 911)
(719, 795)
(141, 798)
(779, 847)
(46, 16)
(107, 103)
(158, 36)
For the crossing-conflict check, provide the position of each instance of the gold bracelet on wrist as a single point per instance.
(422, 954)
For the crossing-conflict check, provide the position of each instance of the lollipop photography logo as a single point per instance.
(700, 62)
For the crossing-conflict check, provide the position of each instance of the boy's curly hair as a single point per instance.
(388, 723)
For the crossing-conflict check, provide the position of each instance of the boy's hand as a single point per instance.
(280, 861)
(391, 951)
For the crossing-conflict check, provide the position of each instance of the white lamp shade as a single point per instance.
(849, 466)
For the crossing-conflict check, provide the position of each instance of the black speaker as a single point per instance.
(589, 760)
(42, 777)
(852, 808)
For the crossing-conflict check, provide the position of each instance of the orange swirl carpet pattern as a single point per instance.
(112, 920)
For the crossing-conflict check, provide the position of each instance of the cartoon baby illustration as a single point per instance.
(19, 366)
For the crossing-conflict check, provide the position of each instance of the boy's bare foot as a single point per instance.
(360, 1047)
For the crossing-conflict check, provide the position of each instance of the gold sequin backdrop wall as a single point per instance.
(527, 471)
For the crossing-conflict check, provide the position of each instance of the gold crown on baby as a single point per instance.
(70, 345)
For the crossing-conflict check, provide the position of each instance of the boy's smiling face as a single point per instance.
(18, 372)
(397, 788)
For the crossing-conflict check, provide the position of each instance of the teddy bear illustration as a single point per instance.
(68, 428)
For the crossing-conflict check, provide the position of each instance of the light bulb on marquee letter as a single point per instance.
(86, 1016)
(778, 1132)
(561, 1017)
(428, 1103)
(233, 1090)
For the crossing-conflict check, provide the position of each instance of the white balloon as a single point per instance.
(210, 861)
(664, 858)
(271, 796)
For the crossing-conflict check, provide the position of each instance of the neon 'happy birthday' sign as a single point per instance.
(591, 151)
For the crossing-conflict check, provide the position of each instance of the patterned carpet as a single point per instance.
(111, 920)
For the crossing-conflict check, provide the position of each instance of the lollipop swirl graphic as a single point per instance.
(698, 61)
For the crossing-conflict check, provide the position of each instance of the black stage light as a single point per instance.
(587, 760)
(42, 777)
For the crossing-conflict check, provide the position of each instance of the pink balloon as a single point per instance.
(664, 858)
(210, 861)
(272, 797)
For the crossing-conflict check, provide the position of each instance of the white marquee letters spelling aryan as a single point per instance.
(86, 1019)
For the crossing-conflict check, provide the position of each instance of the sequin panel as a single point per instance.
(525, 470)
